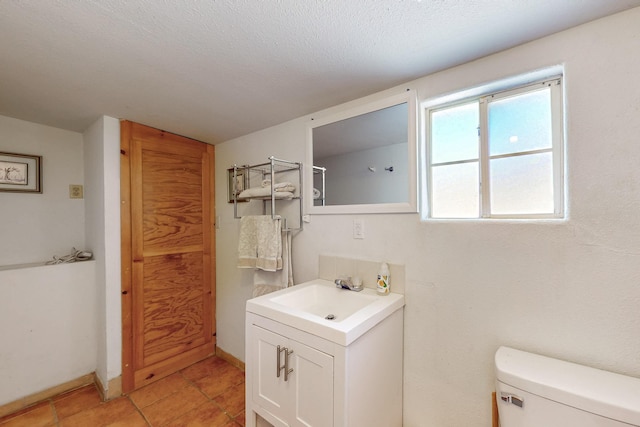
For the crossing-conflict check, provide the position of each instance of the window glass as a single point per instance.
(522, 185)
(455, 191)
(498, 155)
(520, 123)
(455, 133)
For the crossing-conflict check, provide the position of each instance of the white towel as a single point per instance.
(264, 192)
(265, 282)
(260, 243)
(279, 186)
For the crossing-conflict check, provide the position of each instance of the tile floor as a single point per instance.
(209, 393)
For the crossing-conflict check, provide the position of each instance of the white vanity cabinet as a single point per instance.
(291, 380)
(329, 384)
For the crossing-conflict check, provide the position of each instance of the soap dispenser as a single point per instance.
(383, 279)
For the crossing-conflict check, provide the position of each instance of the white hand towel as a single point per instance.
(247, 242)
(269, 246)
(260, 243)
(265, 282)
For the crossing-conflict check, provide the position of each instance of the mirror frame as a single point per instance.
(410, 206)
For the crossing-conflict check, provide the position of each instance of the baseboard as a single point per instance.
(15, 406)
(113, 390)
(229, 358)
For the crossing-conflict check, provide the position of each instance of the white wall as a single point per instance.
(47, 313)
(47, 327)
(102, 193)
(567, 289)
(84, 316)
(35, 227)
(233, 285)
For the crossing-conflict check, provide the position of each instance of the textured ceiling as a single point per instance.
(218, 69)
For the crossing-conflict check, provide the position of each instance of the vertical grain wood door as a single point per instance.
(168, 258)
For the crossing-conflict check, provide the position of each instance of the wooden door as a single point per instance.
(168, 258)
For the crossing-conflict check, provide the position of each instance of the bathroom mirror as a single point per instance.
(363, 159)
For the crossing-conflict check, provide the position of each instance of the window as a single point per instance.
(498, 155)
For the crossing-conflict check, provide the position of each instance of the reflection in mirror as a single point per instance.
(365, 158)
(365, 161)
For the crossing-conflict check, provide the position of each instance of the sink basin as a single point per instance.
(320, 308)
(325, 301)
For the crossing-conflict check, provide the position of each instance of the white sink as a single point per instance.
(325, 301)
(320, 308)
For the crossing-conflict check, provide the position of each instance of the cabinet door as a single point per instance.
(312, 379)
(306, 398)
(269, 391)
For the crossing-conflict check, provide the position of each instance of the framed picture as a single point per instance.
(20, 173)
(241, 183)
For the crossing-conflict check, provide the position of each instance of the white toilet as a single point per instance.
(537, 391)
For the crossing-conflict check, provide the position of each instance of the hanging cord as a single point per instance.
(76, 255)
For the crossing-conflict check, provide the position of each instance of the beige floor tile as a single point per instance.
(206, 368)
(158, 390)
(181, 399)
(226, 378)
(209, 415)
(240, 418)
(103, 415)
(76, 401)
(173, 406)
(40, 415)
(232, 400)
(134, 420)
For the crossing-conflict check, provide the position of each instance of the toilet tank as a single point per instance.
(538, 391)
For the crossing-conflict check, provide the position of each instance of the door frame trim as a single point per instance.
(125, 232)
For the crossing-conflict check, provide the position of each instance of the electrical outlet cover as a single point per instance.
(76, 192)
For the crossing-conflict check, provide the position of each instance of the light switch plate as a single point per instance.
(76, 192)
(358, 228)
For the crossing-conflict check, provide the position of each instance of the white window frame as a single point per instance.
(557, 148)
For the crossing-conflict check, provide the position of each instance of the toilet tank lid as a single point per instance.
(593, 390)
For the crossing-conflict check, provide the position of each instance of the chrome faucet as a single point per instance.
(348, 284)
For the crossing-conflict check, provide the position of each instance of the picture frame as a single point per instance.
(20, 173)
(242, 183)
